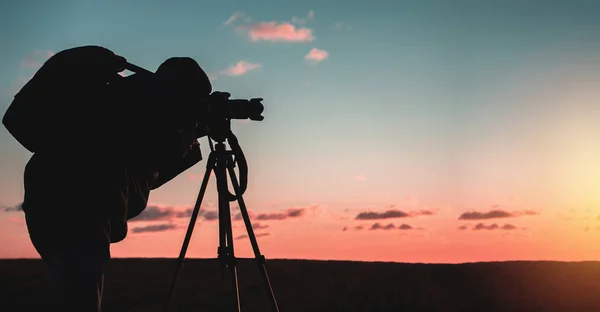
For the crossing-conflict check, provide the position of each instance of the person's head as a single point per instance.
(185, 85)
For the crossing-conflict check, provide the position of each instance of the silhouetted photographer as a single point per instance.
(101, 142)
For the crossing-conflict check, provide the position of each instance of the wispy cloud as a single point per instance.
(392, 213)
(256, 234)
(157, 213)
(289, 213)
(240, 68)
(489, 227)
(233, 18)
(154, 228)
(495, 214)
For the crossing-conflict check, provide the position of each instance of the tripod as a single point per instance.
(221, 161)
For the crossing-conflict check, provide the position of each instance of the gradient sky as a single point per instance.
(417, 131)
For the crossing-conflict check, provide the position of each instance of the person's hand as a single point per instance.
(188, 139)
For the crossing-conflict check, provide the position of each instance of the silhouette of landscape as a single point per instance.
(309, 285)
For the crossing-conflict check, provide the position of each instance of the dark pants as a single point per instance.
(78, 280)
(76, 269)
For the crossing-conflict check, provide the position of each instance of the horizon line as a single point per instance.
(329, 260)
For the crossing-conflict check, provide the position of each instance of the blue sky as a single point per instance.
(459, 103)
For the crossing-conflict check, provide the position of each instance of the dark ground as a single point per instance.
(314, 286)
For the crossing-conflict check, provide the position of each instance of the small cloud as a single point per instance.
(509, 227)
(389, 214)
(316, 55)
(345, 229)
(154, 213)
(463, 228)
(233, 18)
(289, 213)
(311, 14)
(392, 213)
(240, 68)
(481, 226)
(378, 226)
(277, 32)
(15, 208)
(422, 212)
(405, 227)
(257, 235)
(154, 228)
(210, 215)
(260, 226)
(494, 226)
(495, 214)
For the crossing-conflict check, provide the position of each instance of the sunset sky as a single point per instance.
(409, 131)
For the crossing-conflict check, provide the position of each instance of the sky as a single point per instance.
(407, 131)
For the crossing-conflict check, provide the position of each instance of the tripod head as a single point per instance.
(220, 133)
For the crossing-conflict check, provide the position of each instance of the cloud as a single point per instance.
(494, 214)
(378, 226)
(389, 226)
(156, 213)
(154, 228)
(356, 228)
(240, 68)
(18, 207)
(494, 226)
(392, 213)
(481, 226)
(257, 235)
(277, 32)
(405, 227)
(389, 214)
(233, 18)
(598, 218)
(463, 227)
(509, 227)
(316, 55)
(259, 226)
(289, 213)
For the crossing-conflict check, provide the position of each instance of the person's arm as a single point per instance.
(66, 85)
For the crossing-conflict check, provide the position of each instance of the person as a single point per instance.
(101, 144)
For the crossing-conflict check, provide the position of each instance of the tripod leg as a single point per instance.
(190, 229)
(226, 251)
(260, 259)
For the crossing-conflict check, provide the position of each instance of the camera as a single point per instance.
(221, 107)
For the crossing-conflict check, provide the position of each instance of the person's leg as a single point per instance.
(78, 278)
